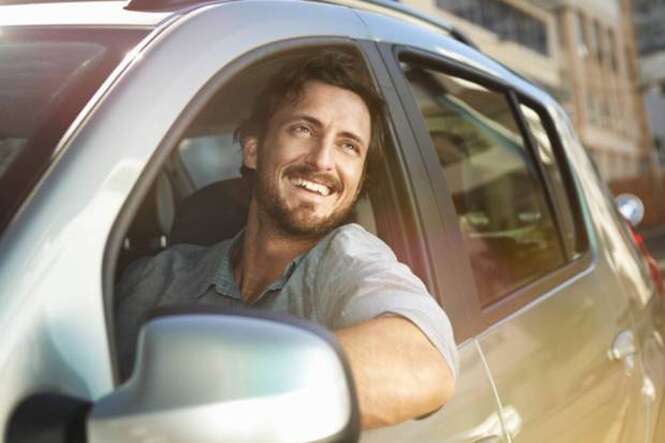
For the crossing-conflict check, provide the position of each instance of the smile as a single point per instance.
(311, 186)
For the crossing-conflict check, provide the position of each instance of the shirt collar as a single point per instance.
(224, 281)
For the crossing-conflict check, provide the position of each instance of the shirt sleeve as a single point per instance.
(372, 283)
(179, 274)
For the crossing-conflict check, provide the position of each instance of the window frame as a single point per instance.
(402, 234)
(440, 270)
(524, 295)
(571, 189)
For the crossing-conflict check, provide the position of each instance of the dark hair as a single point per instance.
(334, 67)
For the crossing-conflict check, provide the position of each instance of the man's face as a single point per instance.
(310, 163)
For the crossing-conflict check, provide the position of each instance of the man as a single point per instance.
(311, 142)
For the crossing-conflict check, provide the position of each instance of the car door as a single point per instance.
(54, 336)
(61, 249)
(546, 298)
(420, 239)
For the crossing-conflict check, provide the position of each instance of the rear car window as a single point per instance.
(46, 77)
(555, 172)
(506, 221)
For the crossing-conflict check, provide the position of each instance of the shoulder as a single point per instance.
(172, 263)
(353, 242)
(174, 257)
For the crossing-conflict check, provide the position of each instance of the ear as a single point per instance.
(250, 146)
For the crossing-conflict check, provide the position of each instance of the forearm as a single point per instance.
(398, 373)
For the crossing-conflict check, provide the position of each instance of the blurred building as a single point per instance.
(585, 54)
(649, 20)
(518, 33)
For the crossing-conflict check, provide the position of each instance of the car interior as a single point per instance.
(200, 196)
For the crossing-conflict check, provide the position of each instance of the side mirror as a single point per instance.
(212, 376)
(631, 207)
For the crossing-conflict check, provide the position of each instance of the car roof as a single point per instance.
(151, 12)
(85, 13)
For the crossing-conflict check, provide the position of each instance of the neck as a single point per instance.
(266, 251)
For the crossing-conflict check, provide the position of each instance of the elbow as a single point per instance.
(447, 387)
(441, 377)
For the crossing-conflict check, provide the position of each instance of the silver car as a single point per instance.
(116, 122)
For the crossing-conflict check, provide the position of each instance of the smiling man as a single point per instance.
(312, 142)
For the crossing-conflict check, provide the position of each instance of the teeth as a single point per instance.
(311, 186)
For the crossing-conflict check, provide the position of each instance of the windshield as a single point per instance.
(46, 77)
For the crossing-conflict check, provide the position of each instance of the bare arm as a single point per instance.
(399, 374)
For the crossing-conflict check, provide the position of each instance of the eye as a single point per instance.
(301, 130)
(350, 147)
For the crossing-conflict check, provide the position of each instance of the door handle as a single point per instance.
(490, 439)
(512, 421)
(489, 431)
(623, 346)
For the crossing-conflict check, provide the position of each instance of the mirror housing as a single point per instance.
(205, 375)
(630, 207)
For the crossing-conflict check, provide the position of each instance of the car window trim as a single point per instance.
(533, 290)
(536, 290)
(456, 287)
(407, 229)
(572, 189)
(531, 146)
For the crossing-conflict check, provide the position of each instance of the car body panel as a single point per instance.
(53, 250)
(559, 344)
(640, 310)
(549, 362)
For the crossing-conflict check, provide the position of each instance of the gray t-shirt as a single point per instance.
(348, 277)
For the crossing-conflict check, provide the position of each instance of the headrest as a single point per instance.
(212, 214)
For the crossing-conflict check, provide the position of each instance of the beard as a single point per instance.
(301, 220)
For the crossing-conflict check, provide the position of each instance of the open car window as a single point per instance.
(200, 196)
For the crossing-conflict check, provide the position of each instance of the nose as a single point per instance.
(321, 154)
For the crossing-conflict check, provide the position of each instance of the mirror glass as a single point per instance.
(630, 207)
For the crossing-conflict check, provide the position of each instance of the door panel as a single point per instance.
(550, 362)
(53, 252)
(635, 305)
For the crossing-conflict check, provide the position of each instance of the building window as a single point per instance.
(591, 108)
(561, 30)
(508, 22)
(605, 112)
(612, 49)
(648, 18)
(581, 35)
(593, 39)
(598, 37)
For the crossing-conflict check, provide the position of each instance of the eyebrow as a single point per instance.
(316, 122)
